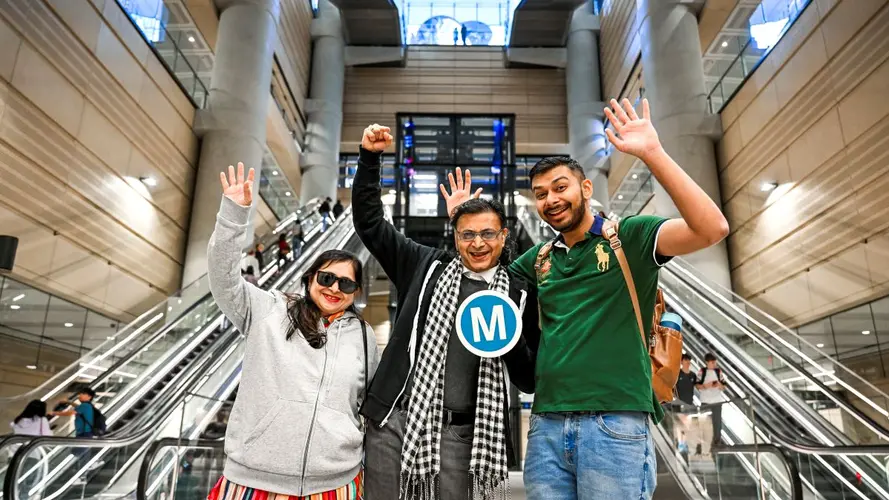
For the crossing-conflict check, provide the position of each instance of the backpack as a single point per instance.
(664, 344)
(99, 427)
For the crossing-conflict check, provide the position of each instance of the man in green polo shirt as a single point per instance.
(589, 434)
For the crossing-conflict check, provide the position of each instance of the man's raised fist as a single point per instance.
(376, 138)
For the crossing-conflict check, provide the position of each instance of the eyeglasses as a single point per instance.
(325, 278)
(487, 235)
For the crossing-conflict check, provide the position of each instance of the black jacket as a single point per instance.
(408, 265)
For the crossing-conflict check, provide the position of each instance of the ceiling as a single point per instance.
(542, 23)
(370, 22)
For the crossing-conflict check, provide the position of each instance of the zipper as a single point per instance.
(413, 342)
(302, 478)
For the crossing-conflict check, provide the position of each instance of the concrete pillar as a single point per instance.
(324, 110)
(233, 124)
(674, 85)
(586, 132)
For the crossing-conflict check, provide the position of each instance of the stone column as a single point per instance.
(324, 109)
(673, 71)
(233, 124)
(586, 131)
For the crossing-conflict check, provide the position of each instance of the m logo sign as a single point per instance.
(489, 324)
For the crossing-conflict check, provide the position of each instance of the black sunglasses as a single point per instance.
(325, 278)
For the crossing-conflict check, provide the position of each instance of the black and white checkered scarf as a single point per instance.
(420, 461)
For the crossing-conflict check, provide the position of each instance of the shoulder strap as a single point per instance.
(609, 231)
(366, 370)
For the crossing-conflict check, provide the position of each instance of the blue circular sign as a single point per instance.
(489, 324)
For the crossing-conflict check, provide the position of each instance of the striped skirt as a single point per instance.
(226, 490)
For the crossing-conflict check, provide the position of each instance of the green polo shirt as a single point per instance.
(591, 356)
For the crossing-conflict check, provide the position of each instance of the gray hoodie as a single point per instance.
(294, 428)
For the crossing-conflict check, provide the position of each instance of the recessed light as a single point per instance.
(18, 297)
(69, 325)
(110, 338)
(865, 332)
(725, 44)
(170, 308)
(180, 301)
(15, 307)
(620, 197)
(31, 367)
(635, 176)
(819, 345)
(148, 181)
(191, 39)
(768, 186)
(274, 172)
(287, 193)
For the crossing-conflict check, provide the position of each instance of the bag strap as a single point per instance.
(609, 231)
(366, 370)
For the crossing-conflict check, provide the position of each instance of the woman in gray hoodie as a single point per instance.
(294, 429)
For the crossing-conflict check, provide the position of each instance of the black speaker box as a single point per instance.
(8, 245)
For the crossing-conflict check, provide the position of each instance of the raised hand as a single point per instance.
(376, 138)
(461, 190)
(637, 135)
(236, 187)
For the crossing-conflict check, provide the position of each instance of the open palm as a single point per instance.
(236, 187)
(461, 190)
(635, 136)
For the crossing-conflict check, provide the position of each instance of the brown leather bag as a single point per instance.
(664, 344)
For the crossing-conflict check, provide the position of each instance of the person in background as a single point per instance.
(294, 428)
(711, 384)
(456, 36)
(324, 210)
(298, 240)
(283, 249)
(464, 34)
(259, 258)
(32, 421)
(250, 276)
(684, 394)
(250, 260)
(84, 414)
(682, 447)
(338, 209)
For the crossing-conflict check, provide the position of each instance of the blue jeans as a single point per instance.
(590, 456)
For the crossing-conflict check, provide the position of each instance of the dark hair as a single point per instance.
(282, 237)
(709, 357)
(35, 408)
(686, 357)
(303, 312)
(481, 206)
(88, 391)
(551, 162)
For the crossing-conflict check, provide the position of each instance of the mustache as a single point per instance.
(557, 208)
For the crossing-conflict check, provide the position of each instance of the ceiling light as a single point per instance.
(180, 301)
(18, 297)
(274, 172)
(148, 181)
(768, 186)
(635, 176)
(31, 367)
(110, 338)
(170, 308)
(725, 44)
(865, 332)
(819, 345)
(620, 197)
(15, 307)
(287, 193)
(191, 39)
(69, 325)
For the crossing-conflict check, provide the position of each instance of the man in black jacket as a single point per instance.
(438, 414)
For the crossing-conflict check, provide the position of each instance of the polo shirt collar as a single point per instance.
(486, 276)
(595, 230)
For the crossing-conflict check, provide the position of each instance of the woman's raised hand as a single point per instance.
(236, 187)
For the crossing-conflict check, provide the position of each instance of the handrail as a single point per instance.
(796, 484)
(145, 468)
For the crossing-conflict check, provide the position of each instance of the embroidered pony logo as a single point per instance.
(603, 257)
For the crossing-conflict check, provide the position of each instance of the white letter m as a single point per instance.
(497, 324)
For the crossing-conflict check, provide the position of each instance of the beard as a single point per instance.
(576, 211)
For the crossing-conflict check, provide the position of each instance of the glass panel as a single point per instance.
(853, 331)
(456, 22)
(23, 309)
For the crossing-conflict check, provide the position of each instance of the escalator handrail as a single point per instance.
(151, 452)
(796, 484)
(693, 279)
(840, 402)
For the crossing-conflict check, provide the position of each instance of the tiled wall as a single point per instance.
(813, 118)
(85, 110)
(459, 80)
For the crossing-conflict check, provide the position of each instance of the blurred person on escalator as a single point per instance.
(250, 276)
(250, 260)
(283, 250)
(711, 384)
(259, 257)
(324, 210)
(338, 209)
(32, 421)
(294, 430)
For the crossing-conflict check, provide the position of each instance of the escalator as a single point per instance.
(107, 467)
(786, 433)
